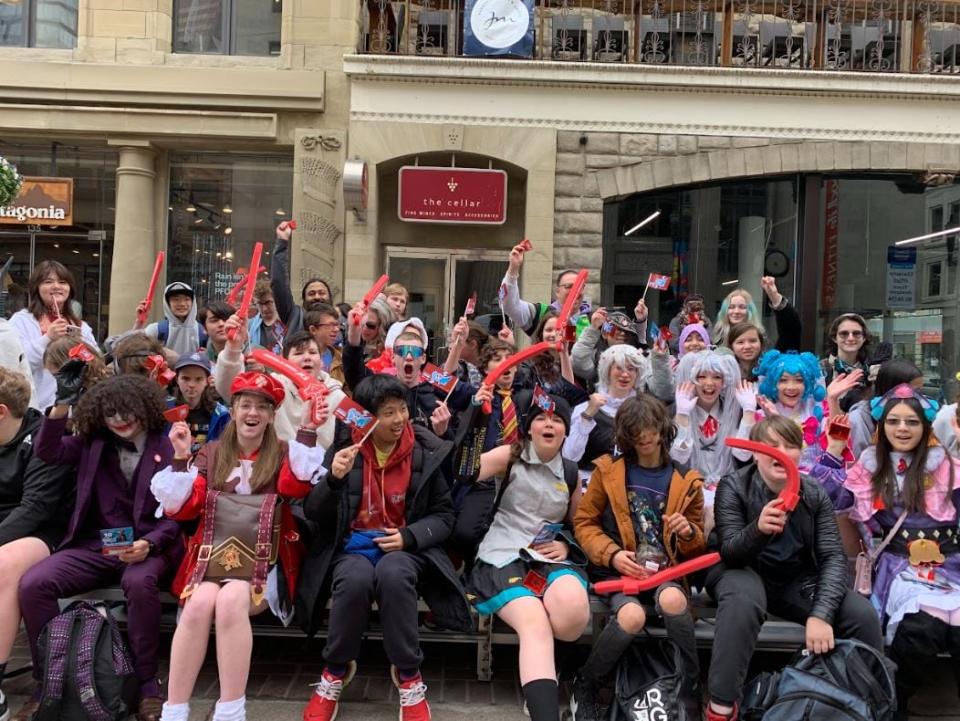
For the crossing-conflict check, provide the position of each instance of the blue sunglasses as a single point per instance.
(403, 351)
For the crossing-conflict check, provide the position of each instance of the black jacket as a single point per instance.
(290, 313)
(333, 505)
(35, 497)
(741, 497)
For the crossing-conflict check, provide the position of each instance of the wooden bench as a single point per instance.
(776, 635)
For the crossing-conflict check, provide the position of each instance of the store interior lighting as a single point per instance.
(649, 219)
(928, 236)
(227, 209)
(280, 211)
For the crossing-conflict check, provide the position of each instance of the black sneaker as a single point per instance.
(4, 709)
(585, 700)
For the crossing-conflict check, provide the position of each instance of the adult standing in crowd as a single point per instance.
(48, 316)
(265, 329)
(315, 290)
(738, 307)
(849, 348)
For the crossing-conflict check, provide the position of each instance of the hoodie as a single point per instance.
(183, 336)
(33, 494)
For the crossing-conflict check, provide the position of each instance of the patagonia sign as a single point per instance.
(42, 201)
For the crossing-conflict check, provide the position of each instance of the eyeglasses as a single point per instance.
(850, 334)
(896, 422)
(371, 326)
(403, 351)
(566, 286)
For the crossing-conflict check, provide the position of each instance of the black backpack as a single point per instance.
(851, 683)
(648, 683)
(87, 670)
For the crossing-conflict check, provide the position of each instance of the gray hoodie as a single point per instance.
(183, 337)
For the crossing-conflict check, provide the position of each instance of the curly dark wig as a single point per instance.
(131, 396)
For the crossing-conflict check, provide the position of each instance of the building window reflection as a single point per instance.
(39, 23)
(227, 27)
(220, 204)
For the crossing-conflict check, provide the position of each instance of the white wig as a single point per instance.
(625, 356)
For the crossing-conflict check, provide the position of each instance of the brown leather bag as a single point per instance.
(240, 540)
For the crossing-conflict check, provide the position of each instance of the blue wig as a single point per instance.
(773, 364)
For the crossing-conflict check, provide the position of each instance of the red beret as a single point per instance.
(259, 384)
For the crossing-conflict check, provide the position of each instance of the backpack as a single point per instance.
(648, 682)
(87, 670)
(163, 332)
(851, 683)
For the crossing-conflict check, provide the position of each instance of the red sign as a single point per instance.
(929, 336)
(452, 195)
(831, 234)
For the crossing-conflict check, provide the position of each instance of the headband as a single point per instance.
(903, 392)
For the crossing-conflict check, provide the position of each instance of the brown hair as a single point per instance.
(640, 413)
(478, 334)
(131, 396)
(409, 335)
(58, 353)
(739, 329)
(130, 353)
(884, 481)
(14, 392)
(864, 353)
(784, 427)
(265, 467)
(262, 290)
(492, 348)
(314, 316)
(39, 274)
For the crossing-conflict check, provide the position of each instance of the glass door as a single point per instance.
(424, 273)
(480, 274)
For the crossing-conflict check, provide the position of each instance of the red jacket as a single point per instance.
(291, 550)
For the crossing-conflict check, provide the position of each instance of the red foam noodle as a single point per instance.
(251, 281)
(151, 289)
(567, 309)
(633, 586)
(790, 495)
(308, 387)
(371, 295)
(514, 360)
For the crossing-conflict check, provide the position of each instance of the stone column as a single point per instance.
(134, 241)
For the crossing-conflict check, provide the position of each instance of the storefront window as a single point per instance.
(86, 246)
(220, 204)
(710, 240)
(39, 23)
(907, 291)
(228, 27)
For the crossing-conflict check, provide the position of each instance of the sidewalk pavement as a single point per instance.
(284, 668)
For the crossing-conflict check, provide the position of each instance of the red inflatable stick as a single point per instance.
(371, 295)
(308, 387)
(515, 359)
(151, 289)
(250, 281)
(633, 586)
(235, 290)
(564, 318)
(790, 495)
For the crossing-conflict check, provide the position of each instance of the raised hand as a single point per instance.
(686, 398)
(746, 393)
(640, 312)
(516, 259)
(70, 382)
(440, 419)
(768, 407)
(598, 318)
(284, 231)
(769, 285)
(180, 439)
(343, 462)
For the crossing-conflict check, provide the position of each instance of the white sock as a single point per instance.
(231, 710)
(175, 712)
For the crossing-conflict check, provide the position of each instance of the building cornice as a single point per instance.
(163, 86)
(654, 99)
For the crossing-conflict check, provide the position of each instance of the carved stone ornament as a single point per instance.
(325, 142)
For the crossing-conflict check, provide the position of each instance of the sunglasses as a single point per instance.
(403, 351)
(371, 326)
(850, 334)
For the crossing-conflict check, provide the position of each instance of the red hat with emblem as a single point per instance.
(259, 384)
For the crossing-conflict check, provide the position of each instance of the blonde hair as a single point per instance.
(14, 392)
(722, 327)
(397, 289)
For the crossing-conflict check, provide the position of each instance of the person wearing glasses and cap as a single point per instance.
(408, 343)
(606, 329)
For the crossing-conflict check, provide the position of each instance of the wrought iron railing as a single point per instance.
(917, 36)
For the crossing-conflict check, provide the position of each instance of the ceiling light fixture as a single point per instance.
(280, 211)
(228, 230)
(731, 282)
(227, 209)
(649, 219)
(191, 208)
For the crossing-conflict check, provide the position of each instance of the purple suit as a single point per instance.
(78, 566)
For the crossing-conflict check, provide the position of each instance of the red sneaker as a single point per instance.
(413, 697)
(325, 701)
(712, 715)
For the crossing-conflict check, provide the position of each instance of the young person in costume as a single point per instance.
(386, 511)
(120, 445)
(529, 571)
(641, 513)
(790, 563)
(905, 488)
(249, 460)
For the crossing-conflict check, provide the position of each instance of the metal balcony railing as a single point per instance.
(914, 36)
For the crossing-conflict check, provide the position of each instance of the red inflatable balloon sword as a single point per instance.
(372, 294)
(251, 282)
(790, 495)
(633, 586)
(308, 387)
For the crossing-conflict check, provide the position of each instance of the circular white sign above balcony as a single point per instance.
(499, 23)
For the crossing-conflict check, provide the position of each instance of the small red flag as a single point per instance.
(353, 414)
(177, 413)
(471, 306)
(438, 378)
(658, 281)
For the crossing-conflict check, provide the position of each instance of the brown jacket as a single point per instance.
(608, 488)
(336, 367)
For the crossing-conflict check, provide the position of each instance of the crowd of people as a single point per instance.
(600, 458)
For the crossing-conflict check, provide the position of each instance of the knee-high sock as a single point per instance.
(680, 631)
(541, 697)
(607, 649)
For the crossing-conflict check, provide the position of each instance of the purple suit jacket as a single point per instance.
(53, 447)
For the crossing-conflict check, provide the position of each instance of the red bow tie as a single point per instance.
(710, 427)
(902, 466)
